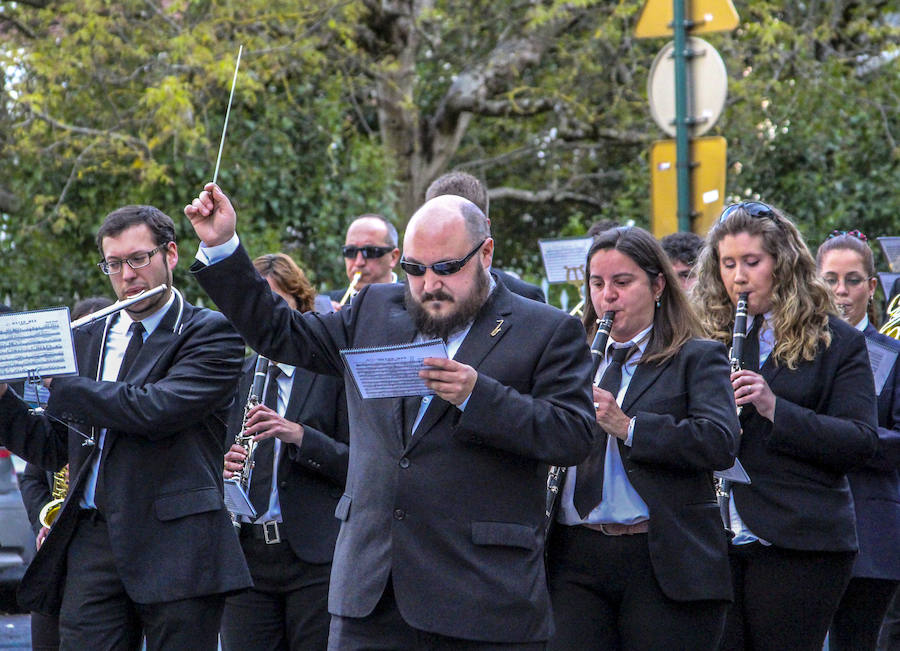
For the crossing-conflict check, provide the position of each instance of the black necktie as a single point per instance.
(589, 474)
(751, 347)
(263, 457)
(132, 350)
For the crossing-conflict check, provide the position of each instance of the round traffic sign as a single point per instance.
(707, 87)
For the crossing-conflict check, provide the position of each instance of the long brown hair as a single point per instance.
(801, 302)
(289, 277)
(853, 243)
(674, 321)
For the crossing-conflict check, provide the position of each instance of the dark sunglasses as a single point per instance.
(368, 252)
(756, 209)
(440, 268)
(854, 233)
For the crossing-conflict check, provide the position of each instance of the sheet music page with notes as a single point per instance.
(36, 343)
(392, 371)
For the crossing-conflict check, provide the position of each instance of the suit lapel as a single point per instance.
(490, 326)
(644, 377)
(301, 387)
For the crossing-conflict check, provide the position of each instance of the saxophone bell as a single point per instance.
(60, 489)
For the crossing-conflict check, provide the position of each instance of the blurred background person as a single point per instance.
(683, 249)
(298, 477)
(638, 558)
(36, 487)
(847, 266)
(808, 416)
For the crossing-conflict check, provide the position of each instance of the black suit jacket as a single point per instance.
(825, 425)
(311, 477)
(519, 286)
(876, 486)
(35, 485)
(686, 426)
(455, 515)
(170, 533)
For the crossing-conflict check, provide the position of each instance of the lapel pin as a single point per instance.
(496, 330)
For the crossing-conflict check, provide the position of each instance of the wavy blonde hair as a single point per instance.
(801, 302)
(289, 277)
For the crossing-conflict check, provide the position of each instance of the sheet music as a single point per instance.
(887, 279)
(392, 371)
(38, 342)
(736, 474)
(882, 359)
(564, 258)
(891, 248)
(237, 500)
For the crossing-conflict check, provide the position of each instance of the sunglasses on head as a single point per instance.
(445, 268)
(854, 233)
(368, 252)
(756, 209)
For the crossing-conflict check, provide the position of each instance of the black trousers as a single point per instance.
(856, 623)
(889, 638)
(386, 630)
(784, 598)
(44, 632)
(287, 608)
(97, 613)
(605, 596)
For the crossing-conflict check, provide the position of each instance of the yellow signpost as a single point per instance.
(708, 156)
(707, 15)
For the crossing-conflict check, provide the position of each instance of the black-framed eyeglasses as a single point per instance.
(854, 233)
(368, 252)
(756, 209)
(445, 268)
(135, 261)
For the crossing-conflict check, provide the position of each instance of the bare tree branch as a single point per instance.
(543, 196)
(131, 140)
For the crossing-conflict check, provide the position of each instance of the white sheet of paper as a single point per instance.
(392, 371)
(564, 258)
(736, 474)
(38, 342)
(237, 500)
(890, 245)
(882, 359)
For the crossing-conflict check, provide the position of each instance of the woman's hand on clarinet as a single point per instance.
(234, 461)
(609, 415)
(212, 216)
(752, 389)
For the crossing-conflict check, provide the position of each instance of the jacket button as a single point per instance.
(404, 463)
(282, 484)
(399, 514)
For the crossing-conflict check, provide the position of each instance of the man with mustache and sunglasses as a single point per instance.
(441, 540)
(370, 249)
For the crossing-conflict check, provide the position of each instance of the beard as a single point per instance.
(456, 318)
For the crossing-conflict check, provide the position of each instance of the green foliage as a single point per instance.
(112, 103)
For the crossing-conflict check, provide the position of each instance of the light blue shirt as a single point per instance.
(621, 502)
(117, 338)
(742, 534)
(285, 385)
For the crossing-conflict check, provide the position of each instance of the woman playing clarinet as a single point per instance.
(808, 416)
(638, 555)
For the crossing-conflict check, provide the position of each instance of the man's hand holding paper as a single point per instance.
(451, 380)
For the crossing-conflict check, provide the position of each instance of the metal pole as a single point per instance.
(682, 119)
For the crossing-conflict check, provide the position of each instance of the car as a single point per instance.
(16, 536)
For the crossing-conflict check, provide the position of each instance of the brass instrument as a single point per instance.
(351, 288)
(598, 347)
(118, 305)
(891, 327)
(58, 495)
(254, 398)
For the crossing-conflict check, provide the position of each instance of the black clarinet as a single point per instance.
(736, 358)
(598, 346)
